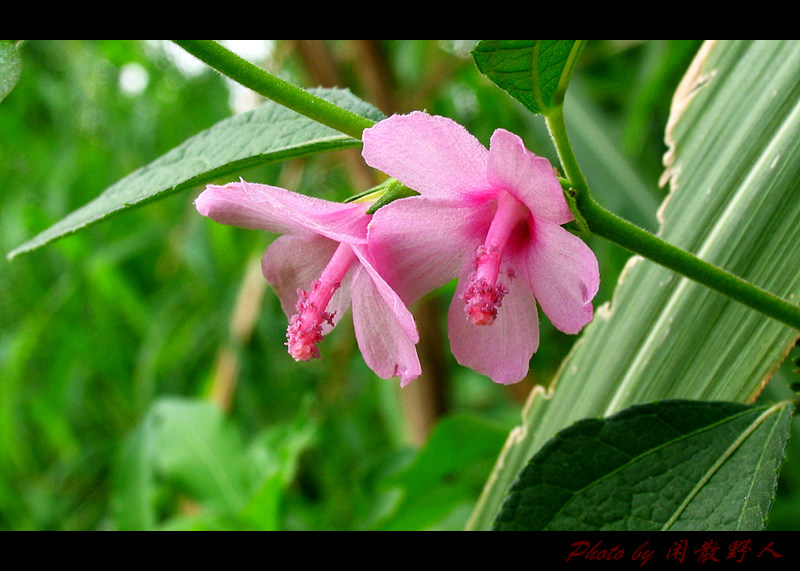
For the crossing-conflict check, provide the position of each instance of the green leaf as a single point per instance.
(10, 67)
(274, 457)
(734, 174)
(671, 465)
(134, 489)
(191, 447)
(445, 474)
(269, 133)
(200, 451)
(535, 72)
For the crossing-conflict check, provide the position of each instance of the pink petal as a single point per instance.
(295, 262)
(382, 338)
(391, 300)
(502, 351)
(433, 155)
(274, 209)
(419, 244)
(564, 275)
(529, 178)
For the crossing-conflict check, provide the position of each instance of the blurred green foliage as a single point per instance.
(153, 319)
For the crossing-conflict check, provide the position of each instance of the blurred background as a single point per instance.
(144, 383)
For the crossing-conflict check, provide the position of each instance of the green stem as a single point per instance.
(600, 220)
(621, 232)
(558, 132)
(242, 71)
(610, 226)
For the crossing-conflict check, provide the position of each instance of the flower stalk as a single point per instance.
(600, 221)
(611, 227)
(242, 71)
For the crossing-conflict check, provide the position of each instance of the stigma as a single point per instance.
(305, 326)
(305, 329)
(483, 294)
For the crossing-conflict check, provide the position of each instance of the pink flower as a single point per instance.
(318, 268)
(491, 217)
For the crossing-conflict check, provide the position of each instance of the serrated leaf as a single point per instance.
(269, 133)
(10, 67)
(535, 72)
(671, 465)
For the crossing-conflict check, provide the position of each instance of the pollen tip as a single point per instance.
(305, 329)
(482, 299)
(480, 316)
(303, 351)
(302, 340)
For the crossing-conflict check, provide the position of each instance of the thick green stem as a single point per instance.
(610, 226)
(600, 220)
(558, 133)
(274, 88)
